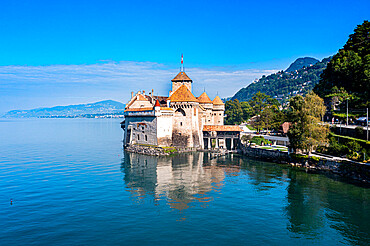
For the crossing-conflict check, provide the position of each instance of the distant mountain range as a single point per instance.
(301, 76)
(80, 110)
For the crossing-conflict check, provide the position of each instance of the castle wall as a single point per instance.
(164, 130)
(141, 130)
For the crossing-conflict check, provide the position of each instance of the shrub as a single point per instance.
(259, 140)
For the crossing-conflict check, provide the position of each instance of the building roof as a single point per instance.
(204, 98)
(217, 101)
(139, 97)
(285, 127)
(218, 128)
(139, 109)
(157, 104)
(182, 94)
(181, 76)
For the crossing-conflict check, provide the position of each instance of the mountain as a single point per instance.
(283, 85)
(83, 110)
(302, 62)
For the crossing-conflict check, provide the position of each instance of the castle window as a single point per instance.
(138, 137)
(180, 123)
(146, 138)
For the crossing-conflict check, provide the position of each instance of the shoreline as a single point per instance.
(355, 171)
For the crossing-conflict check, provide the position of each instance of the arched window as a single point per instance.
(180, 112)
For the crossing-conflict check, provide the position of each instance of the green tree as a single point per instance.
(234, 112)
(306, 132)
(350, 67)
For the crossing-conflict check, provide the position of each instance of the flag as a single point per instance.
(182, 59)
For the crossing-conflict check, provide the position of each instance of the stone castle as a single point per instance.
(179, 120)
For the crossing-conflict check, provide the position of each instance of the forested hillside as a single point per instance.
(300, 63)
(284, 85)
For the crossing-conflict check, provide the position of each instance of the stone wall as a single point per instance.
(265, 154)
(141, 130)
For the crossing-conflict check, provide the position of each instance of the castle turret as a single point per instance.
(218, 111)
(207, 104)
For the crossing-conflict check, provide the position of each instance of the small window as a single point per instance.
(146, 138)
(180, 123)
(138, 137)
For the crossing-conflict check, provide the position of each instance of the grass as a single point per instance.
(251, 128)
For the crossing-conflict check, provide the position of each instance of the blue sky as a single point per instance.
(62, 52)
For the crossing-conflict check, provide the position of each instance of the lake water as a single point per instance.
(71, 183)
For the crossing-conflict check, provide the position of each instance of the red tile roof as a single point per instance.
(204, 98)
(227, 128)
(217, 101)
(182, 94)
(181, 76)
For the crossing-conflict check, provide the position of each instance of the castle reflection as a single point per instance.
(182, 179)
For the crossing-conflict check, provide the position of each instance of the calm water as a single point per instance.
(71, 183)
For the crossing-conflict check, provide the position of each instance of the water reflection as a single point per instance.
(182, 179)
(307, 205)
(315, 202)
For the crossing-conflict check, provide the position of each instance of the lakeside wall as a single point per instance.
(348, 169)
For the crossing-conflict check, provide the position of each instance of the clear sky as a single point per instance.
(62, 52)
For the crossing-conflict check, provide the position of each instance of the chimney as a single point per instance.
(144, 93)
(132, 94)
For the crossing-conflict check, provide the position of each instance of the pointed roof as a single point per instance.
(217, 101)
(157, 104)
(182, 94)
(204, 98)
(181, 76)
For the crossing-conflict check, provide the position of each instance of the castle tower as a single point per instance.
(218, 111)
(185, 131)
(181, 79)
(207, 104)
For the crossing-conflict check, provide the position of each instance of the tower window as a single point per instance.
(138, 137)
(180, 123)
(146, 138)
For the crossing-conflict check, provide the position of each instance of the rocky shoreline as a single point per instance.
(347, 169)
